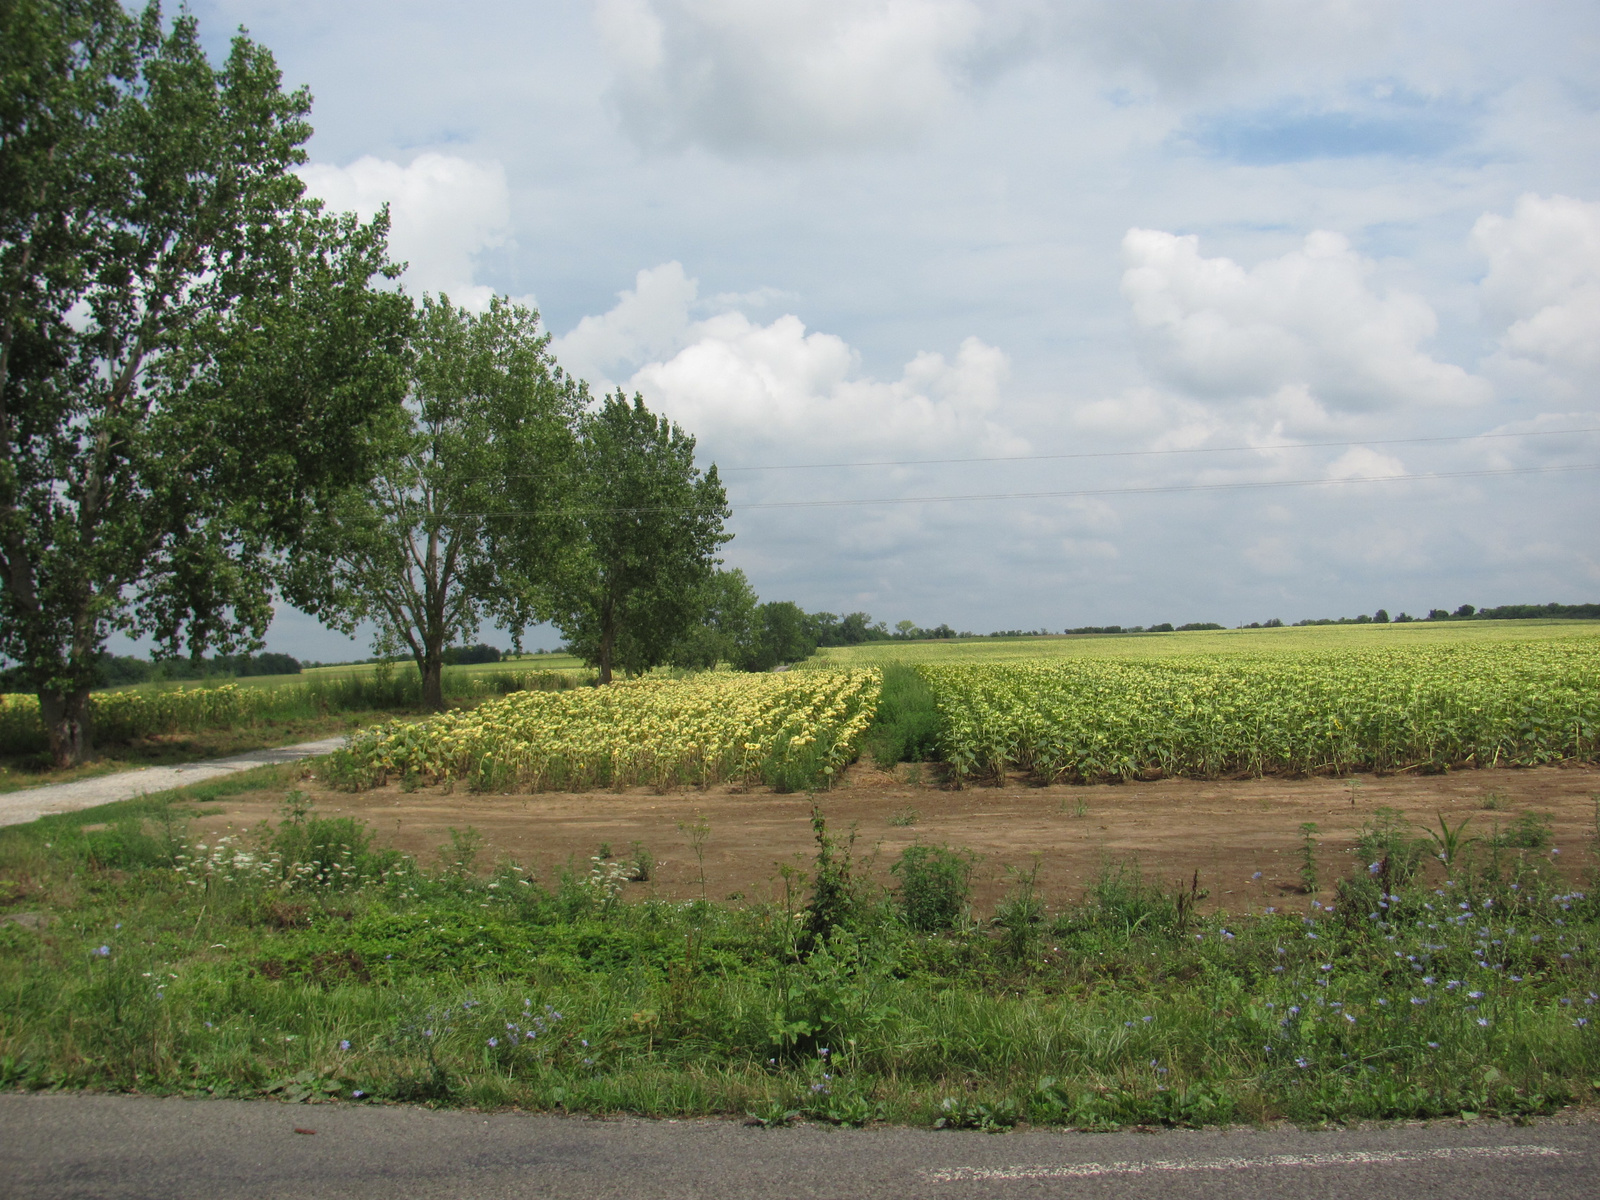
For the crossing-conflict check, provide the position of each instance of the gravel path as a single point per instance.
(17, 808)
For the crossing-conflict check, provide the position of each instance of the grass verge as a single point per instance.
(302, 962)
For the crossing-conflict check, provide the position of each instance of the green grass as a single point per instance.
(1288, 640)
(304, 963)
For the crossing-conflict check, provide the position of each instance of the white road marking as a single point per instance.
(1351, 1158)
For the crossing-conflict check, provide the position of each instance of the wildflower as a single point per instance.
(1147, 1020)
(1257, 875)
(1433, 1045)
(344, 1044)
(1301, 1063)
(357, 1094)
(1581, 1022)
(1419, 1000)
(1327, 966)
(494, 1042)
(103, 952)
(1483, 1020)
(1373, 868)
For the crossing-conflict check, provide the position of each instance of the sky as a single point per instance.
(1123, 252)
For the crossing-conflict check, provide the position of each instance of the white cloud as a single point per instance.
(786, 75)
(775, 390)
(778, 391)
(1544, 281)
(1298, 334)
(649, 322)
(444, 212)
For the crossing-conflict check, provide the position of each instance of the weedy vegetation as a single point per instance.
(301, 961)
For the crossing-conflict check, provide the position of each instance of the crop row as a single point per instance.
(790, 730)
(1427, 708)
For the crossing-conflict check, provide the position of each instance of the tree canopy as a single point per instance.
(193, 357)
(649, 525)
(464, 517)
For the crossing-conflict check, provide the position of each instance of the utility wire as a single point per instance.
(931, 462)
(1111, 491)
(1175, 487)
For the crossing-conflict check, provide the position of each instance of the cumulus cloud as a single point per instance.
(649, 322)
(1297, 335)
(774, 389)
(787, 75)
(778, 388)
(444, 212)
(1544, 283)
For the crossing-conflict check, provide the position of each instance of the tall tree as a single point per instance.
(462, 518)
(649, 528)
(192, 356)
(726, 630)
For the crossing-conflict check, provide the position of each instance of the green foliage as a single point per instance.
(1386, 843)
(836, 893)
(161, 455)
(1530, 831)
(727, 630)
(1416, 707)
(935, 885)
(463, 518)
(648, 525)
(1020, 914)
(908, 724)
(783, 635)
(173, 964)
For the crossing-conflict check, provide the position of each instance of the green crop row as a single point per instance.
(1423, 707)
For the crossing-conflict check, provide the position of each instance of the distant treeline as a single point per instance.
(1505, 612)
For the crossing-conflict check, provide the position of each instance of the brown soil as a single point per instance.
(1224, 830)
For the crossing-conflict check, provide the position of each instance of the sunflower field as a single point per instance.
(791, 730)
(1416, 708)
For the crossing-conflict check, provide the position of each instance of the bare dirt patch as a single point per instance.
(1224, 830)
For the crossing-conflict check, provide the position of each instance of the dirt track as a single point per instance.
(1225, 830)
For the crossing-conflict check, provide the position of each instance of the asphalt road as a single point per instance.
(116, 1147)
(29, 804)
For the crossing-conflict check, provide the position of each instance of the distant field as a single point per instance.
(1290, 640)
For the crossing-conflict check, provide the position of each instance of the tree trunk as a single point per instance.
(66, 720)
(432, 665)
(608, 640)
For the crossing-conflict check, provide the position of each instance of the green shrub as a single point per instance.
(935, 883)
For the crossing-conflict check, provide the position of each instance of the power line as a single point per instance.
(1174, 487)
(931, 462)
(1152, 489)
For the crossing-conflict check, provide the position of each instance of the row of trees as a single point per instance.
(213, 396)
